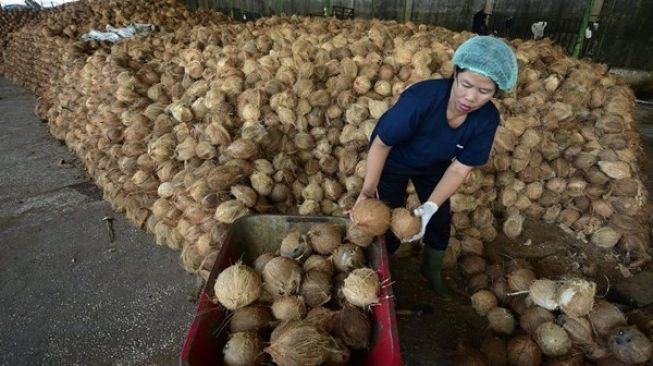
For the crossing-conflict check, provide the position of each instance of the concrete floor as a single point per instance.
(69, 296)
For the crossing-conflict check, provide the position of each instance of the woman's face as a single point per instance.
(470, 91)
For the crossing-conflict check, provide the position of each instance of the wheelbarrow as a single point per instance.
(253, 235)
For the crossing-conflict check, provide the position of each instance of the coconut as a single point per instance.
(237, 286)
(353, 327)
(244, 194)
(372, 216)
(478, 282)
(289, 308)
(339, 355)
(523, 351)
(579, 329)
(615, 169)
(501, 320)
(519, 303)
(243, 349)
(472, 264)
(261, 261)
(472, 246)
(300, 343)
(252, 318)
(605, 237)
(629, 345)
(358, 236)
(576, 297)
(325, 238)
(403, 224)
(468, 357)
(229, 211)
(362, 287)
(533, 317)
(324, 318)
(544, 293)
(500, 290)
(347, 257)
(316, 288)
(552, 339)
(483, 301)
(605, 317)
(295, 246)
(319, 263)
(282, 276)
(521, 279)
(513, 225)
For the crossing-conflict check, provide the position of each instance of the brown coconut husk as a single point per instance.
(579, 329)
(362, 287)
(325, 238)
(295, 246)
(372, 215)
(319, 263)
(544, 293)
(522, 350)
(300, 343)
(289, 308)
(576, 297)
(533, 317)
(629, 345)
(483, 301)
(604, 317)
(358, 236)
(282, 276)
(521, 279)
(243, 348)
(237, 286)
(316, 288)
(252, 318)
(552, 339)
(347, 257)
(403, 224)
(501, 320)
(353, 327)
(324, 318)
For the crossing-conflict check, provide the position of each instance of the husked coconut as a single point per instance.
(403, 224)
(237, 286)
(372, 216)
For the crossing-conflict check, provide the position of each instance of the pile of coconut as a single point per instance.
(10, 21)
(309, 302)
(186, 131)
(53, 35)
(542, 321)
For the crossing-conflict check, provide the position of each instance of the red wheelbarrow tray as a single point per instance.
(253, 235)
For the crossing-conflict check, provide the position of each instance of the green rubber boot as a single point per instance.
(432, 270)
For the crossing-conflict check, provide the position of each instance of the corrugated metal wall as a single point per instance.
(625, 36)
(624, 39)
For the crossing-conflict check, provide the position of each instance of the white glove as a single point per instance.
(424, 212)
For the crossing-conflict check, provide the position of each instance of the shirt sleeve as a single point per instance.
(477, 149)
(399, 123)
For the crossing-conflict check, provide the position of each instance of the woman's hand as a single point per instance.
(365, 194)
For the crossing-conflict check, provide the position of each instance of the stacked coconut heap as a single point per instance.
(309, 301)
(10, 21)
(207, 124)
(536, 321)
(53, 36)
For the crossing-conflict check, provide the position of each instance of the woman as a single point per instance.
(435, 134)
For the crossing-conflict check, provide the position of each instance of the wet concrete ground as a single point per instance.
(69, 296)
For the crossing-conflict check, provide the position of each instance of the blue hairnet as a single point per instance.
(488, 56)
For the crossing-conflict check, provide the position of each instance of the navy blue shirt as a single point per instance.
(423, 142)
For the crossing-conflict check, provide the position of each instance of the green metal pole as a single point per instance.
(581, 32)
(372, 9)
(231, 9)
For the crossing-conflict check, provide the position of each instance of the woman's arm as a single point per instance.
(453, 178)
(376, 158)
